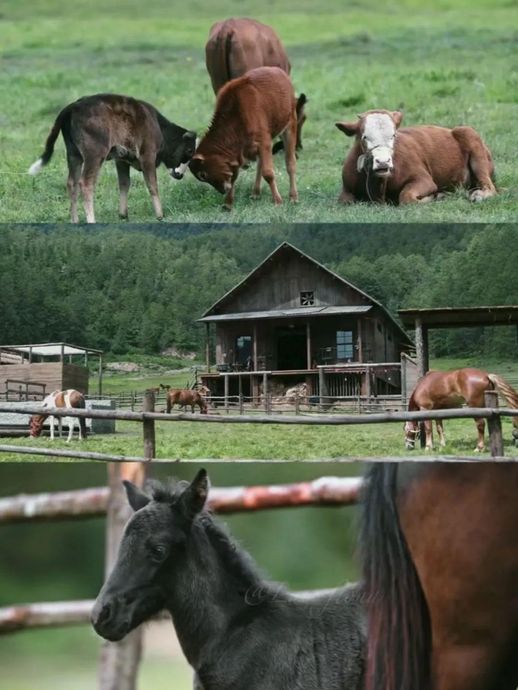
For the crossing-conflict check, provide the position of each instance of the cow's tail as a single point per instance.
(399, 631)
(507, 391)
(49, 144)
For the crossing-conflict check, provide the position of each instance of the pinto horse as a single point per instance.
(440, 390)
(184, 397)
(440, 574)
(67, 398)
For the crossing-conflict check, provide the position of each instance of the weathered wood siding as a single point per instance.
(55, 375)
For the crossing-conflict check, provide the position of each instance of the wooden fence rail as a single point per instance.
(86, 503)
(147, 417)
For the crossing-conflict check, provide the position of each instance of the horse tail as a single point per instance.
(399, 631)
(507, 391)
(81, 405)
(51, 140)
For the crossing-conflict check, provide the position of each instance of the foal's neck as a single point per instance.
(215, 587)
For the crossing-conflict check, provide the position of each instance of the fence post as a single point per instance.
(119, 661)
(148, 426)
(494, 425)
(297, 405)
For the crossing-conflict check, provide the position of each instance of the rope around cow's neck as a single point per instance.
(368, 190)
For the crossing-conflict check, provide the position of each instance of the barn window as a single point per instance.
(344, 345)
(307, 298)
(243, 348)
(380, 329)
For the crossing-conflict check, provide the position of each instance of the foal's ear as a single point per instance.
(196, 493)
(136, 498)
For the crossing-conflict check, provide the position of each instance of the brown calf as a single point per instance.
(412, 164)
(131, 132)
(249, 112)
(238, 45)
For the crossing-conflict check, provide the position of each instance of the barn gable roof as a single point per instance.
(217, 311)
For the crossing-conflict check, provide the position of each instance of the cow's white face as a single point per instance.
(378, 137)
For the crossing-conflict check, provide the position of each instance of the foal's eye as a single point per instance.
(157, 552)
(202, 175)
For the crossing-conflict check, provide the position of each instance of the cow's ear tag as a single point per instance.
(360, 163)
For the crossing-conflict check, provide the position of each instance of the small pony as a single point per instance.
(67, 398)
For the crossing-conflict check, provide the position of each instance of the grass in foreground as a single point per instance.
(448, 66)
(186, 441)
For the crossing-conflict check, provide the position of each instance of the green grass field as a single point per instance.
(186, 441)
(448, 64)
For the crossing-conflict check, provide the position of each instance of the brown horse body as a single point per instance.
(184, 397)
(66, 398)
(439, 390)
(441, 576)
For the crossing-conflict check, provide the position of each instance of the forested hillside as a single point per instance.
(142, 289)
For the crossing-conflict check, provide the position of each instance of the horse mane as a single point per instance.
(234, 558)
(412, 405)
(399, 631)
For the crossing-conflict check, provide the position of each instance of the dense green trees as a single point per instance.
(142, 289)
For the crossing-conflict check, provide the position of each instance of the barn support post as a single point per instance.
(254, 346)
(100, 376)
(421, 346)
(207, 346)
(148, 426)
(265, 392)
(225, 378)
(322, 390)
(308, 345)
(494, 425)
(240, 393)
(119, 661)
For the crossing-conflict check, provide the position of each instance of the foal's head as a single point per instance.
(154, 542)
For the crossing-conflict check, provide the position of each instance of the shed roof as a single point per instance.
(52, 349)
(295, 312)
(461, 317)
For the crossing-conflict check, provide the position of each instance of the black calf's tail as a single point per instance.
(399, 633)
(49, 144)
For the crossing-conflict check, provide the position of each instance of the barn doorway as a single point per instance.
(291, 348)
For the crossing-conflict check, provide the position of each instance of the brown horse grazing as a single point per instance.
(238, 45)
(440, 575)
(184, 397)
(68, 398)
(440, 390)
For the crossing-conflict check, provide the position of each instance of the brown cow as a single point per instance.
(412, 164)
(238, 45)
(184, 397)
(250, 110)
(131, 132)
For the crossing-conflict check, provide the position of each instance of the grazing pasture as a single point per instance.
(449, 64)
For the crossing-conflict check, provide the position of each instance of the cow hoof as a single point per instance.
(255, 196)
(480, 194)
(227, 208)
(479, 450)
(294, 199)
(123, 216)
(160, 217)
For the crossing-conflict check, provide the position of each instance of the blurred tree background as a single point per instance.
(141, 289)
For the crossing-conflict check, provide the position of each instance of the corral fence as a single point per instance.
(119, 662)
(148, 418)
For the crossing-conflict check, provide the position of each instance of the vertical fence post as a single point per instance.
(240, 385)
(119, 661)
(494, 425)
(148, 426)
(226, 382)
(297, 405)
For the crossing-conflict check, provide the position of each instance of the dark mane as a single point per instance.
(166, 492)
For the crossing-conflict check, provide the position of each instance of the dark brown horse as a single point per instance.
(440, 572)
(439, 390)
(184, 397)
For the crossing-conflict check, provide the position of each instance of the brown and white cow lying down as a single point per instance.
(131, 132)
(238, 45)
(412, 164)
(250, 111)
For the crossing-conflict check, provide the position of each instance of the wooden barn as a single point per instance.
(293, 321)
(29, 372)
